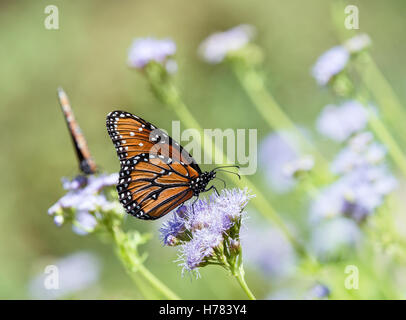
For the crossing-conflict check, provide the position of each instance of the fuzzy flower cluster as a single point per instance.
(145, 50)
(335, 60)
(329, 64)
(76, 272)
(281, 160)
(340, 122)
(215, 48)
(274, 257)
(358, 43)
(208, 231)
(86, 197)
(364, 180)
(332, 239)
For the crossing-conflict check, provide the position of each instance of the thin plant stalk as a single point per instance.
(378, 85)
(239, 273)
(134, 266)
(373, 79)
(241, 281)
(260, 202)
(383, 134)
(270, 110)
(164, 89)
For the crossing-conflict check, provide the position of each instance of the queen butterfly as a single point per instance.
(157, 175)
(86, 163)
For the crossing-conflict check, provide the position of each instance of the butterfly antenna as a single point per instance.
(239, 177)
(231, 166)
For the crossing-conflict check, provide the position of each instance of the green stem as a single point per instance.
(386, 98)
(270, 110)
(168, 94)
(260, 202)
(134, 265)
(381, 131)
(384, 135)
(239, 275)
(373, 79)
(145, 290)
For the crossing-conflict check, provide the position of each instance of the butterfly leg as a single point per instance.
(193, 204)
(215, 189)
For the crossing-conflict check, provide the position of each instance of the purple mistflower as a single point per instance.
(328, 203)
(232, 203)
(298, 166)
(329, 64)
(272, 254)
(276, 153)
(76, 272)
(353, 157)
(200, 249)
(367, 186)
(340, 122)
(358, 43)
(318, 291)
(173, 228)
(201, 228)
(356, 194)
(216, 47)
(85, 223)
(361, 141)
(335, 237)
(145, 50)
(364, 181)
(85, 198)
(74, 184)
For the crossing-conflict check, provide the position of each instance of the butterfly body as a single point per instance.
(199, 184)
(86, 163)
(157, 175)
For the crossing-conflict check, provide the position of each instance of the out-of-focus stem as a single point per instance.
(384, 135)
(135, 267)
(264, 207)
(390, 106)
(168, 94)
(381, 131)
(272, 113)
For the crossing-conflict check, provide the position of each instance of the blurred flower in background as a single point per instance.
(329, 64)
(364, 181)
(334, 61)
(296, 167)
(318, 292)
(280, 158)
(332, 239)
(358, 43)
(300, 292)
(340, 122)
(266, 249)
(85, 223)
(75, 273)
(215, 48)
(145, 50)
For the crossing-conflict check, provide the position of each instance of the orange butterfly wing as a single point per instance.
(155, 170)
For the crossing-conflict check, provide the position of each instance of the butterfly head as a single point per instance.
(199, 184)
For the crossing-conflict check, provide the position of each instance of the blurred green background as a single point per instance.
(87, 57)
